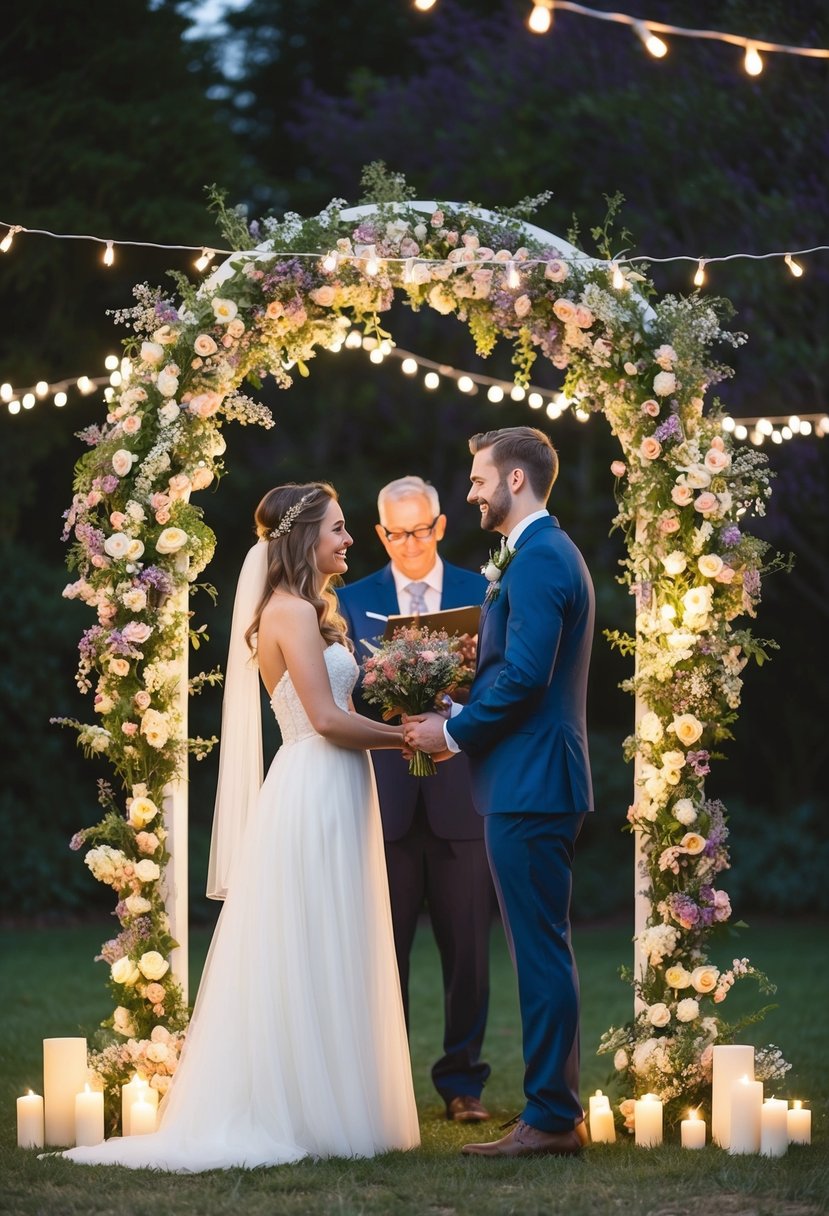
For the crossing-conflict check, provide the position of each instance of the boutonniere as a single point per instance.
(494, 569)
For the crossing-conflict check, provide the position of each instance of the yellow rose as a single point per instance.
(142, 811)
(677, 977)
(171, 540)
(704, 978)
(692, 843)
(710, 564)
(687, 728)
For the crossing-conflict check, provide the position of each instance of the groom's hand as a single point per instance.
(424, 733)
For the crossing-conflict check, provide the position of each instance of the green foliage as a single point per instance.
(382, 185)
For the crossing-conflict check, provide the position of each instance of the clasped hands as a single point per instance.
(424, 733)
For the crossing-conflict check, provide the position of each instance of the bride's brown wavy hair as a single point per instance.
(292, 559)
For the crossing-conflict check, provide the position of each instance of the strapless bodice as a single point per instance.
(290, 715)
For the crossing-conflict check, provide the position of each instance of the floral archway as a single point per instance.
(139, 544)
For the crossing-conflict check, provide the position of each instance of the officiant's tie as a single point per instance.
(417, 598)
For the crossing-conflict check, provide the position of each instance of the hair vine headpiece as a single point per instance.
(290, 517)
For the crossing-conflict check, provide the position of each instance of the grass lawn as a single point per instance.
(52, 988)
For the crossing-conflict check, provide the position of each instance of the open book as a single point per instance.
(454, 620)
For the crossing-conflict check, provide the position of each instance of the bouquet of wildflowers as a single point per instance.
(409, 672)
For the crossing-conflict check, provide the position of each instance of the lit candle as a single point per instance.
(602, 1127)
(142, 1116)
(89, 1116)
(746, 1105)
(730, 1062)
(30, 1121)
(129, 1093)
(647, 1121)
(692, 1131)
(800, 1124)
(774, 1128)
(64, 1074)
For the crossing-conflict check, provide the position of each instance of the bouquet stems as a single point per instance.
(422, 765)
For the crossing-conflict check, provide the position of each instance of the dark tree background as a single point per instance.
(114, 125)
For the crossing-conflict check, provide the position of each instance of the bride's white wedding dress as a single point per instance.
(297, 1045)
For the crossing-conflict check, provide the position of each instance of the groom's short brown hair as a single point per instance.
(521, 447)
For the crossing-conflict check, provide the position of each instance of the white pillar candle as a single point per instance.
(692, 1131)
(30, 1121)
(647, 1121)
(142, 1117)
(602, 1127)
(64, 1074)
(800, 1124)
(730, 1062)
(89, 1116)
(129, 1093)
(774, 1128)
(746, 1106)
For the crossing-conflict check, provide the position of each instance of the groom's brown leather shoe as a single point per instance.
(466, 1109)
(526, 1141)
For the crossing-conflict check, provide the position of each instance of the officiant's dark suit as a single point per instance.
(435, 851)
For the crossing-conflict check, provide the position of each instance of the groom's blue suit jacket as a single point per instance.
(524, 726)
(446, 796)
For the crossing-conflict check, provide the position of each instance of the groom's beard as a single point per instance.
(496, 509)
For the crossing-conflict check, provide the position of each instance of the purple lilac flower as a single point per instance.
(730, 536)
(118, 644)
(698, 761)
(110, 483)
(88, 645)
(669, 430)
(91, 538)
(158, 579)
(254, 230)
(90, 435)
(166, 312)
(366, 233)
(751, 583)
(77, 841)
(683, 909)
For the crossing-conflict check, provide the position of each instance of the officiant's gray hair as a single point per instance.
(408, 487)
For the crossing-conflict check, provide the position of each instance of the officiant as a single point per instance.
(433, 836)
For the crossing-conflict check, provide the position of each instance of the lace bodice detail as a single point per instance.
(291, 717)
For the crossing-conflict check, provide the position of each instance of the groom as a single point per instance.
(524, 732)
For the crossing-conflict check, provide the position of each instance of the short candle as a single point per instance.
(602, 1127)
(30, 1121)
(746, 1105)
(647, 1121)
(129, 1093)
(774, 1128)
(692, 1131)
(799, 1122)
(89, 1116)
(142, 1116)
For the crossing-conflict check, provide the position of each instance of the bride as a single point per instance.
(297, 1046)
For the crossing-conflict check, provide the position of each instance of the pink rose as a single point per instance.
(236, 327)
(650, 448)
(565, 310)
(437, 219)
(227, 341)
(179, 485)
(274, 310)
(726, 575)
(651, 407)
(583, 317)
(716, 460)
(131, 425)
(409, 248)
(682, 495)
(428, 656)
(141, 700)
(324, 296)
(93, 498)
(618, 468)
(668, 524)
(129, 728)
(136, 631)
(163, 516)
(556, 271)
(118, 519)
(155, 993)
(706, 503)
(159, 500)
(205, 404)
(522, 306)
(204, 345)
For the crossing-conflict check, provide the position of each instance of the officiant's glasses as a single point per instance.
(421, 533)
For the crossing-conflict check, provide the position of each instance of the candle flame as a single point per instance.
(796, 1105)
(744, 1080)
(693, 1113)
(86, 1088)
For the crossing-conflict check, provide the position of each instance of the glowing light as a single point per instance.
(115, 379)
(466, 384)
(41, 388)
(582, 415)
(517, 393)
(794, 267)
(330, 262)
(699, 274)
(60, 399)
(513, 277)
(776, 437)
(372, 267)
(553, 410)
(728, 423)
(752, 63)
(806, 428)
(535, 401)
(495, 393)
(653, 45)
(423, 6)
(207, 256)
(794, 423)
(354, 339)
(14, 407)
(28, 401)
(111, 362)
(6, 243)
(541, 18)
(617, 278)
(85, 385)
(109, 254)
(409, 367)
(377, 355)
(431, 379)
(740, 431)
(6, 392)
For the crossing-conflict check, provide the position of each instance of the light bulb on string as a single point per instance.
(517, 393)
(513, 277)
(466, 384)
(495, 393)
(794, 267)
(85, 385)
(109, 254)
(372, 266)
(60, 399)
(111, 362)
(699, 274)
(409, 367)
(6, 243)
(740, 431)
(376, 355)
(330, 262)
(431, 380)
(652, 44)
(14, 407)
(535, 401)
(6, 392)
(41, 388)
(207, 256)
(28, 401)
(752, 63)
(616, 277)
(423, 6)
(541, 17)
(805, 427)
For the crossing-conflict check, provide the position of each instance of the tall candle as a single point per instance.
(30, 1121)
(602, 1127)
(800, 1124)
(692, 1131)
(89, 1116)
(64, 1074)
(774, 1128)
(647, 1121)
(746, 1105)
(730, 1062)
(142, 1116)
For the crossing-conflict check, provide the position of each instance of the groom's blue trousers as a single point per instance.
(531, 859)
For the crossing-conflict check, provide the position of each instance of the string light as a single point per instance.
(513, 277)
(653, 44)
(541, 18)
(6, 243)
(330, 262)
(699, 274)
(617, 278)
(794, 267)
(207, 256)
(423, 6)
(648, 30)
(752, 63)
(109, 254)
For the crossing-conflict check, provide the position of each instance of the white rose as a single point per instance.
(152, 353)
(664, 383)
(224, 310)
(135, 550)
(124, 971)
(167, 382)
(710, 565)
(665, 356)
(677, 977)
(168, 413)
(122, 462)
(687, 728)
(704, 978)
(205, 346)
(687, 1010)
(142, 811)
(620, 1059)
(122, 1022)
(682, 495)
(171, 540)
(440, 300)
(684, 811)
(137, 905)
(159, 1053)
(117, 545)
(697, 477)
(697, 601)
(420, 232)
(153, 965)
(692, 843)
(673, 759)
(147, 871)
(659, 1014)
(650, 728)
(491, 572)
(675, 562)
(135, 600)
